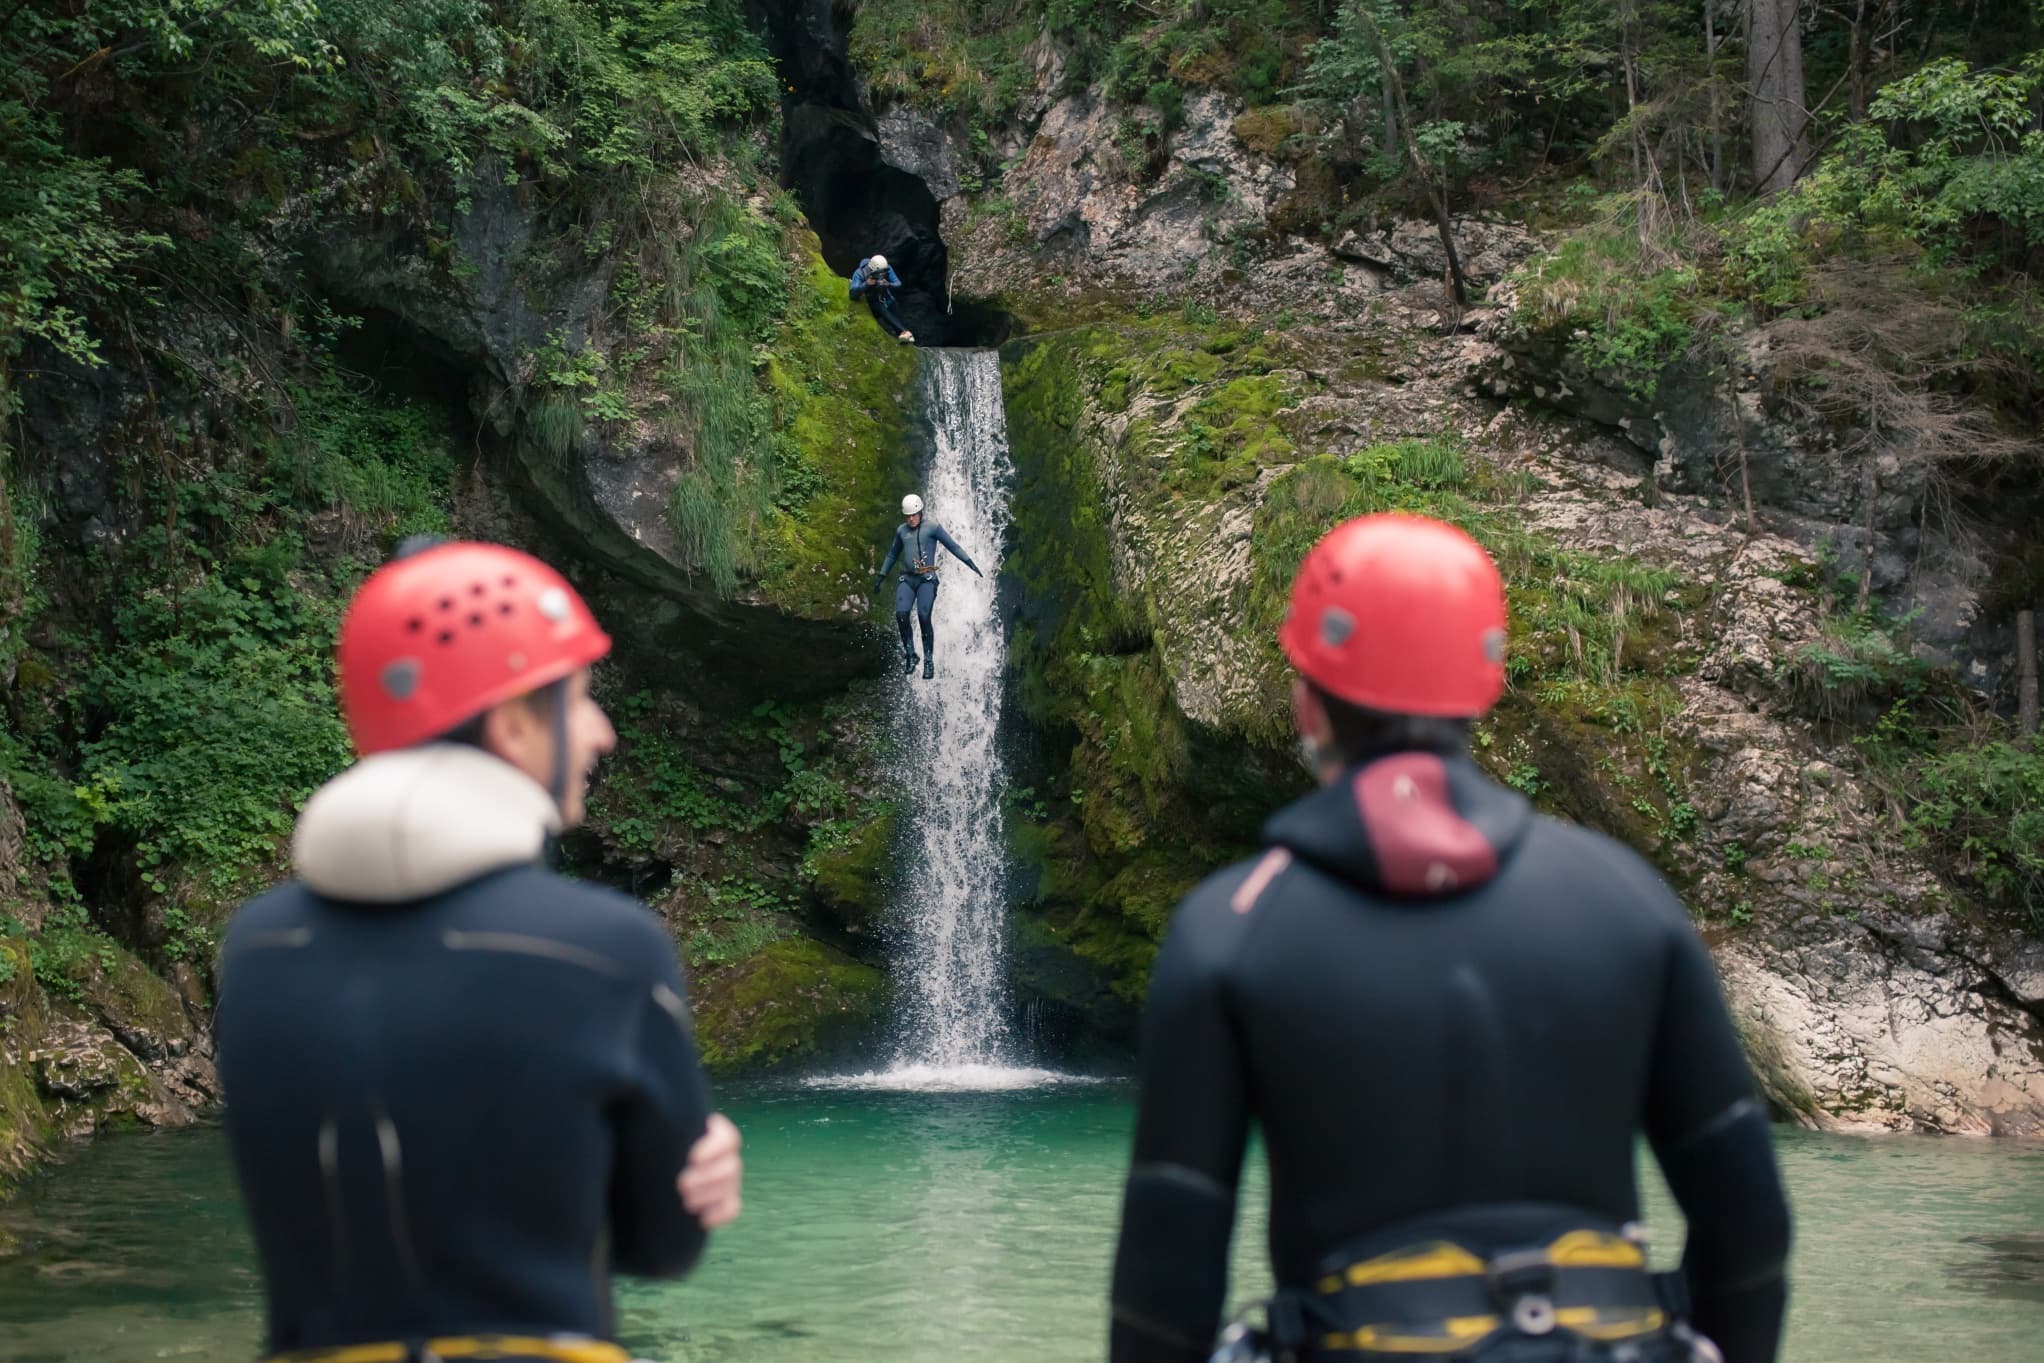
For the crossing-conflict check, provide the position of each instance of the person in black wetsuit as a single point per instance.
(1450, 1017)
(915, 545)
(461, 1090)
(875, 280)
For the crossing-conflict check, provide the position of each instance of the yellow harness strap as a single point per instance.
(562, 1348)
(1437, 1261)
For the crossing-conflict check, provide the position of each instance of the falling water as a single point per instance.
(952, 967)
(951, 884)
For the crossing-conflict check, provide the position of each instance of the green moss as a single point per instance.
(1130, 766)
(1264, 130)
(1148, 801)
(840, 392)
(129, 999)
(785, 1003)
(1155, 800)
(24, 1125)
(847, 863)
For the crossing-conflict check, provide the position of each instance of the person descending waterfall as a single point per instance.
(461, 1090)
(915, 544)
(876, 281)
(1449, 1018)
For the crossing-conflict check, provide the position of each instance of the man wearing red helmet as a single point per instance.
(1451, 1019)
(461, 1090)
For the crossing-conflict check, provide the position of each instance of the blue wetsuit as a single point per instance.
(456, 1114)
(1430, 1000)
(916, 546)
(879, 295)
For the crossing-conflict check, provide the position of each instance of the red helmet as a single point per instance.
(436, 638)
(1400, 614)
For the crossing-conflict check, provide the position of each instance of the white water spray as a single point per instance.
(951, 888)
(954, 883)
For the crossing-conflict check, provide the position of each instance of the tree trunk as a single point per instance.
(1774, 71)
(1856, 61)
(1872, 486)
(2026, 672)
(1717, 140)
(1392, 141)
(1739, 435)
(1626, 60)
(1437, 187)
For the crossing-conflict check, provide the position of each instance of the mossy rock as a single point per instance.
(840, 390)
(24, 1123)
(849, 871)
(1264, 130)
(794, 1001)
(136, 1005)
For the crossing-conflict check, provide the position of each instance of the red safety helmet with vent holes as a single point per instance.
(436, 638)
(1400, 614)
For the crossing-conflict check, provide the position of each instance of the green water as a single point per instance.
(977, 1227)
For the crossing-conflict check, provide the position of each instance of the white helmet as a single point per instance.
(911, 504)
(877, 263)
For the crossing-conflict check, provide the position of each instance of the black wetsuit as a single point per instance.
(917, 592)
(1429, 998)
(457, 1116)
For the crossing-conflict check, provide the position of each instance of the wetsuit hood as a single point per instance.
(1412, 825)
(413, 823)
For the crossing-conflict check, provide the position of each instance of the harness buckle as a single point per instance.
(1533, 1314)
(1520, 1273)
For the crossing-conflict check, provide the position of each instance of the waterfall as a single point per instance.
(950, 779)
(951, 879)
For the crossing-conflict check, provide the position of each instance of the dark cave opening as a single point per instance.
(859, 204)
(402, 361)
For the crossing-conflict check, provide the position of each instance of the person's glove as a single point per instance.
(878, 578)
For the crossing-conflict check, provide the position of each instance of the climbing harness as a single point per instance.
(1559, 1285)
(557, 1348)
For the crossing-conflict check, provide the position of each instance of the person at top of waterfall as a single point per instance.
(461, 1090)
(1450, 1018)
(915, 545)
(876, 281)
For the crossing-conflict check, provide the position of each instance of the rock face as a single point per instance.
(1894, 1019)
(124, 1052)
(1869, 993)
(1088, 204)
(606, 489)
(1704, 433)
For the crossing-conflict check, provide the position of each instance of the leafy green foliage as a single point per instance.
(1629, 306)
(1856, 662)
(200, 711)
(224, 719)
(1984, 805)
(386, 461)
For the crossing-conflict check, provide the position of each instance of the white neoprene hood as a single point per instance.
(408, 824)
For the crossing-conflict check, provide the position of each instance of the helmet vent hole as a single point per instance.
(415, 624)
(477, 589)
(447, 603)
(446, 636)
(510, 581)
(475, 618)
(504, 608)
